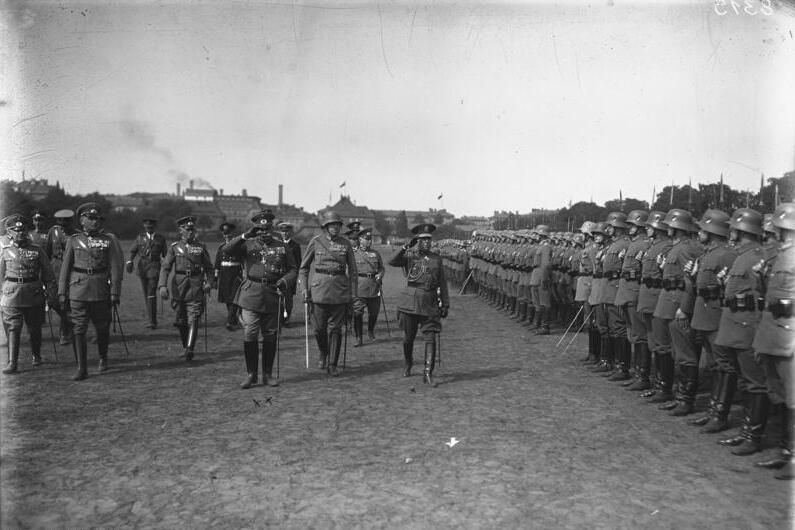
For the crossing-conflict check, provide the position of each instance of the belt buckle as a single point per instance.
(90, 270)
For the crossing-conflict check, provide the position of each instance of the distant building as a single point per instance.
(126, 202)
(36, 189)
(238, 209)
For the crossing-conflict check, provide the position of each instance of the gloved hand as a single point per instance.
(682, 319)
(164, 292)
(281, 287)
(443, 311)
(129, 267)
(412, 242)
(115, 300)
(252, 232)
(307, 298)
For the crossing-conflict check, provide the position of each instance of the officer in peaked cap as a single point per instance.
(370, 274)
(424, 300)
(89, 284)
(328, 279)
(269, 270)
(54, 247)
(38, 236)
(150, 248)
(228, 273)
(191, 282)
(26, 277)
(293, 247)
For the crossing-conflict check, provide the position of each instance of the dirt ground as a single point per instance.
(158, 443)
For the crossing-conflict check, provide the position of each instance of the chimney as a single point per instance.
(244, 193)
(221, 191)
(191, 183)
(281, 194)
(179, 194)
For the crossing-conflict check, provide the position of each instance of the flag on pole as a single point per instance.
(343, 184)
(761, 190)
(653, 196)
(671, 203)
(747, 199)
(689, 193)
(775, 196)
(440, 196)
(721, 191)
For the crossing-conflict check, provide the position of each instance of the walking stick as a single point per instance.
(118, 319)
(204, 301)
(464, 285)
(278, 332)
(439, 349)
(347, 330)
(306, 331)
(584, 321)
(52, 334)
(386, 316)
(573, 320)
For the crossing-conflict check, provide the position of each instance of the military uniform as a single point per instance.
(424, 300)
(228, 275)
(38, 236)
(27, 280)
(190, 263)
(150, 248)
(617, 344)
(54, 247)
(540, 280)
(295, 249)
(90, 283)
(370, 274)
(328, 274)
(269, 269)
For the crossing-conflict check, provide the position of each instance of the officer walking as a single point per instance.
(57, 236)
(190, 263)
(328, 276)
(89, 285)
(424, 300)
(27, 278)
(228, 275)
(150, 248)
(270, 269)
(286, 231)
(370, 273)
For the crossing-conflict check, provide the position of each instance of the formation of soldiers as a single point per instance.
(655, 291)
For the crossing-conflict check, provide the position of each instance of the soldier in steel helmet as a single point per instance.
(424, 301)
(228, 273)
(150, 248)
(27, 282)
(540, 280)
(270, 269)
(599, 316)
(89, 285)
(742, 311)
(191, 282)
(328, 277)
(54, 247)
(775, 337)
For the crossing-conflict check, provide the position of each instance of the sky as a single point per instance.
(492, 105)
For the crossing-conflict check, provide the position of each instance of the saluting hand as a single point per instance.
(252, 232)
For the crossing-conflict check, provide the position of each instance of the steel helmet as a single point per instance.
(656, 220)
(330, 217)
(587, 227)
(784, 216)
(542, 230)
(747, 220)
(599, 228)
(715, 222)
(617, 220)
(637, 217)
(680, 220)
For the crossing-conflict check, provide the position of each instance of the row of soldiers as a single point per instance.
(658, 289)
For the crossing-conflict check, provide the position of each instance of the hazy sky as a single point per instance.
(495, 105)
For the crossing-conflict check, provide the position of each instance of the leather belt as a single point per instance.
(744, 302)
(330, 272)
(652, 283)
(90, 271)
(20, 280)
(673, 284)
(709, 293)
(631, 276)
(265, 280)
(366, 275)
(230, 264)
(782, 308)
(189, 273)
(598, 275)
(613, 275)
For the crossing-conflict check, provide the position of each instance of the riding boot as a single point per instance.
(372, 319)
(755, 424)
(152, 300)
(521, 311)
(643, 360)
(193, 334)
(713, 398)
(531, 315)
(13, 351)
(665, 376)
(589, 358)
(335, 342)
(686, 392)
(623, 351)
(268, 358)
(719, 419)
(514, 307)
(430, 361)
(358, 324)
(607, 355)
(785, 454)
(81, 352)
(408, 358)
(322, 345)
(183, 335)
(251, 354)
(543, 321)
(231, 317)
(103, 339)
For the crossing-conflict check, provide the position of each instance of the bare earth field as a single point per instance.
(155, 442)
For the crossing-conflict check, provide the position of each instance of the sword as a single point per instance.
(386, 316)
(306, 331)
(584, 321)
(118, 319)
(52, 334)
(573, 320)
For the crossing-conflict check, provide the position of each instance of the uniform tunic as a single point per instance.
(370, 271)
(191, 265)
(228, 273)
(25, 272)
(425, 292)
(150, 249)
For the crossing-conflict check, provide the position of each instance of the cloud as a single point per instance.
(139, 133)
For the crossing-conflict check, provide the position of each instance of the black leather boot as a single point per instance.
(643, 359)
(81, 352)
(372, 319)
(152, 312)
(623, 351)
(408, 357)
(430, 362)
(686, 392)
(13, 352)
(231, 317)
(607, 355)
(358, 325)
(719, 420)
(268, 358)
(183, 335)
(754, 425)
(521, 311)
(251, 355)
(335, 345)
(665, 377)
(713, 398)
(594, 347)
(785, 454)
(543, 321)
(193, 334)
(103, 339)
(35, 345)
(322, 345)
